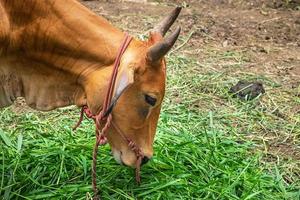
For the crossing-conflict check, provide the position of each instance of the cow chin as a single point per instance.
(127, 158)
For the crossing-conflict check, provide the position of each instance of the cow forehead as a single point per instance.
(149, 76)
(134, 56)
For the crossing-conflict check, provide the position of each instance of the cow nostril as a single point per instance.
(145, 160)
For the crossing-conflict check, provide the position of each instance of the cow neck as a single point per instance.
(105, 115)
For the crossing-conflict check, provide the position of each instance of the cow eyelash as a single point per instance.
(150, 100)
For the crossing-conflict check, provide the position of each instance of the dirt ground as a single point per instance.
(267, 31)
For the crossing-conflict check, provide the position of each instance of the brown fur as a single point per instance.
(57, 53)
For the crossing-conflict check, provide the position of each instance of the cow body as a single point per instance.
(57, 53)
(48, 48)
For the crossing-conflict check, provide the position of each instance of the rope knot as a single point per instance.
(88, 112)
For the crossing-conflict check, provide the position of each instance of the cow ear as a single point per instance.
(124, 79)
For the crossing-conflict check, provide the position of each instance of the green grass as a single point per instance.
(208, 144)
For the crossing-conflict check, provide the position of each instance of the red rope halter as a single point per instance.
(105, 116)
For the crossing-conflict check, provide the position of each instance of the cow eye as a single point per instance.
(150, 100)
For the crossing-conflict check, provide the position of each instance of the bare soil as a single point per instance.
(267, 31)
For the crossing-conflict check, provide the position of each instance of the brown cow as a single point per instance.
(57, 53)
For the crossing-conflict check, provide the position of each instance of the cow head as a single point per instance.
(139, 92)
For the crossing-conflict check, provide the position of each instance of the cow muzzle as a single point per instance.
(129, 158)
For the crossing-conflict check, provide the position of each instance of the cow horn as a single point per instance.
(167, 22)
(161, 48)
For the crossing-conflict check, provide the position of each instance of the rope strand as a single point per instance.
(99, 119)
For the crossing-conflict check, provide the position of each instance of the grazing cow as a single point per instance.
(57, 53)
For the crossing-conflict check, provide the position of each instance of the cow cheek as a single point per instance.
(143, 112)
(115, 141)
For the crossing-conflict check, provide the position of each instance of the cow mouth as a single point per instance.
(119, 158)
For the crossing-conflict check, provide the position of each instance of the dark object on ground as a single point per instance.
(247, 90)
